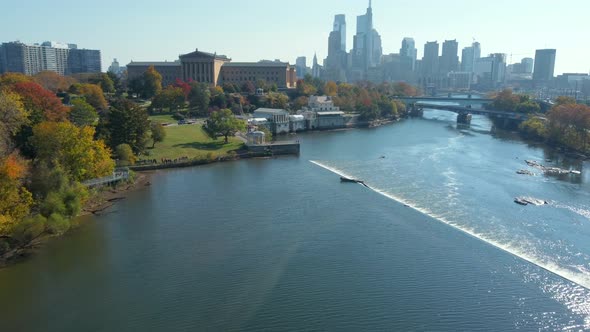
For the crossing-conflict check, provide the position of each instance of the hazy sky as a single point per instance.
(273, 29)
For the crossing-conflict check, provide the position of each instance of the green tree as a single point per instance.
(223, 123)
(158, 133)
(125, 155)
(92, 93)
(82, 113)
(125, 122)
(528, 106)
(171, 98)
(199, 98)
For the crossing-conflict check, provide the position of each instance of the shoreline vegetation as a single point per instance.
(58, 132)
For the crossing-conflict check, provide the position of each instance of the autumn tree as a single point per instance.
(92, 93)
(10, 79)
(125, 123)
(12, 117)
(41, 104)
(184, 86)
(331, 89)
(82, 114)
(223, 123)
(15, 200)
(158, 133)
(53, 81)
(152, 82)
(73, 148)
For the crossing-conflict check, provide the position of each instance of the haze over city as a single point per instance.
(250, 31)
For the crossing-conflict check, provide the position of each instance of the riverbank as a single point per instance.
(99, 202)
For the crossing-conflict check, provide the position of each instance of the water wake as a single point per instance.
(515, 249)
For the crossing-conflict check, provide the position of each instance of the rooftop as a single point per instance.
(256, 64)
(198, 53)
(154, 63)
(279, 111)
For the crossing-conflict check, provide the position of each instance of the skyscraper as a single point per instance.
(367, 49)
(409, 50)
(430, 59)
(340, 26)
(449, 60)
(544, 65)
(469, 56)
(301, 66)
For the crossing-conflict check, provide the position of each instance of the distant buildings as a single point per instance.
(367, 51)
(449, 60)
(336, 63)
(214, 69)
(64, 59)
(469, 56)
(116, 69)
(301, 66)
(409, 50)
(544, 65)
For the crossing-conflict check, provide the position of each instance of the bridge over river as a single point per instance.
(465, 107)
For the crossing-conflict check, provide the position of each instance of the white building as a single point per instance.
(321, 113)
(279, 119)
(297, 123)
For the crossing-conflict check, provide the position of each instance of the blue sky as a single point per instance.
(274, 29)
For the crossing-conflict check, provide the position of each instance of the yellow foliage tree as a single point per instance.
(73, 148)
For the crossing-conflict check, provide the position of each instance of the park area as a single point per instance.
(189, 141)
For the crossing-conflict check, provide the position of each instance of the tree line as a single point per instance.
(55, 133)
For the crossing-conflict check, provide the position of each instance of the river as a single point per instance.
(436, 243)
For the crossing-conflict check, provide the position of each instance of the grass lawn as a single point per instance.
(166, 118)
(190, 141)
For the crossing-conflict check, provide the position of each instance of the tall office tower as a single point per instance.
(367, 48)
(527, 65)
(449, 60)
(301, 66)
(544, 65)
(469, 56)
(340, 26)
(409, 50)
(430, 59)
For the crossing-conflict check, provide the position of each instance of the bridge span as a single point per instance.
(464, 113)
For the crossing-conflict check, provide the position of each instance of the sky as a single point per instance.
(155, 30)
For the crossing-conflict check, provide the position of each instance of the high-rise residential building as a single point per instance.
(51, 56)
(340, 26)
(544, 65)
(409, 50)
(367, 48)
(84, 61)
(430, 61)
(449, 60)
(469, 56)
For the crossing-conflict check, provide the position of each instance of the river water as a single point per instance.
(436, 243)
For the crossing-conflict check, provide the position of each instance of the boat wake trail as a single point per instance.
(514, 248)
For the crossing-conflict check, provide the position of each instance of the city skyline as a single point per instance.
(499, 29)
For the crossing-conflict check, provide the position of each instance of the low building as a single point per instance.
(279, 119)
(297, 123)
(330, 120)
(321, 113)
(255, 138)
(170, 71)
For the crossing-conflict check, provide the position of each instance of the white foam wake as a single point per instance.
(514, 249)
